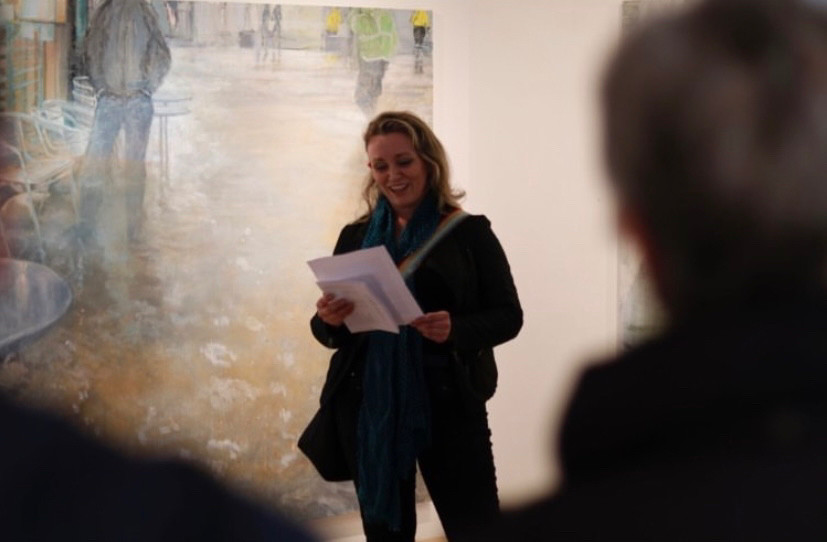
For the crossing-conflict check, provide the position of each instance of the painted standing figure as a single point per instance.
(270, 28)
(126, 59)
(376, 39)
(421, 24)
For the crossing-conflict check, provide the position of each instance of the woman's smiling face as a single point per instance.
(398, 171)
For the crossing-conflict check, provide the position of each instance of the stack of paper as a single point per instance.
(369, 279)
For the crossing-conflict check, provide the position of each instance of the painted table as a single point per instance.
(32, 298)
(166, 105)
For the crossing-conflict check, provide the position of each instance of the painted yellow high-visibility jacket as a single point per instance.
(420, 18)
(334, 19)
(375, 32)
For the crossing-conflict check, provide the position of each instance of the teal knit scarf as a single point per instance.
(394, 422)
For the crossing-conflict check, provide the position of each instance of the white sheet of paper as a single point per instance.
(369, 312)
(383, 284)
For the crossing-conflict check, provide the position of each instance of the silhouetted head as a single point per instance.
(716, 143)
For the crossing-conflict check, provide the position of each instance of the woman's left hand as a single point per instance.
(435, 326)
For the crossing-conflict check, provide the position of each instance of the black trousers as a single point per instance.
(458, 467)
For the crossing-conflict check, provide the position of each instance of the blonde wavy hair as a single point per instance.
(427, 147)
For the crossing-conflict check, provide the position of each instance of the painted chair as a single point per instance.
(76, 120)
(31, 159)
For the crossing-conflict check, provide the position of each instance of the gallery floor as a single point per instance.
(348, 527)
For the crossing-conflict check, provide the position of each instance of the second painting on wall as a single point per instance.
(640, 315)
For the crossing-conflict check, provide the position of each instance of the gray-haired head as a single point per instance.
(716, 142)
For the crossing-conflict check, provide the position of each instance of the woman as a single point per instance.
(419, 396)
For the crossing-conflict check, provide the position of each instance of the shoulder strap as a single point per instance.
(411, 263)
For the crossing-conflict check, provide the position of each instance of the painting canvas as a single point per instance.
(188, 330)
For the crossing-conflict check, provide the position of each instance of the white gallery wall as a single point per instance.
(535, 170)
(515, 87)
(515, 99)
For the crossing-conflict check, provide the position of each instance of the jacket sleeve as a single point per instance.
(332, 336)
(498, 315)
(156, 61)
(93, 50)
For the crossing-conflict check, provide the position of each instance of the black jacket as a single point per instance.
(716, 431)
(124, 49)
(468, 275)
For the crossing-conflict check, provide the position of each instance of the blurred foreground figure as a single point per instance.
(716, 143)
(58, 485)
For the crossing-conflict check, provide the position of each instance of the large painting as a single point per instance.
(188, 333)
(640, 314)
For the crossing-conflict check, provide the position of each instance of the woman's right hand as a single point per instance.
(333, 310)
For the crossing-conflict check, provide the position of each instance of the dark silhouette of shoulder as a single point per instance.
(58, 484)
